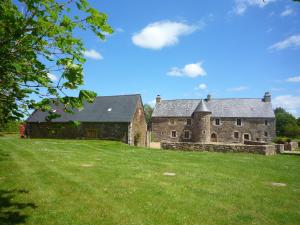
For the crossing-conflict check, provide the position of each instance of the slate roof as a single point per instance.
(202, 107)
(231, 107)
(118, 108)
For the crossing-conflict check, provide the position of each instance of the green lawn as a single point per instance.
(101, 182)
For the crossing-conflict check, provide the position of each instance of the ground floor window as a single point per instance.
(173, 134)
(247, 137)
(213, 137)
(266, 134)
(187, 134)
(236, 134)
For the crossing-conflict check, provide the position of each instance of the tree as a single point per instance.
(37, 38)
(286, 124)
(148, 113)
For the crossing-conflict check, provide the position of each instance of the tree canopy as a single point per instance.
(286, 124)
(37, 39)
(148, 114)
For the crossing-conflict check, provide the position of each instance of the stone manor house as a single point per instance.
(232, 120)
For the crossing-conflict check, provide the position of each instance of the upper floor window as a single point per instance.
(266, 122)
(188, 122)
(187, 134)
(217, 122)
(173, 134)
(266, 134)
(239, 122)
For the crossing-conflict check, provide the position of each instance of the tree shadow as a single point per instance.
(12, 212)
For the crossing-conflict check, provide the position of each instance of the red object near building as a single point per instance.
(22, 130)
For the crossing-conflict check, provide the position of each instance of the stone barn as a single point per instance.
(119, 117)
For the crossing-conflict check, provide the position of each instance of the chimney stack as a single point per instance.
(267, 97)
(158, 99)
(208, 98)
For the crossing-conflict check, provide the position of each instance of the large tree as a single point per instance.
(37, 39)
(286, 124)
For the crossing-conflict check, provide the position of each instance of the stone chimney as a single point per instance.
(267, 97)
(208, 98)
(158, 99)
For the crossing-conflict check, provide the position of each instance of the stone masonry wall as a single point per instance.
(138, 127)
(191, 146)
(255, 127)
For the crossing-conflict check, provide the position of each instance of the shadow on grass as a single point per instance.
(12, 212)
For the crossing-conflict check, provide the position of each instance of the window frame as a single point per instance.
(219, 122)
(238, 135)
(189, 132)
(172, 133)
(236, 122)
(190, 123)
(266, 123)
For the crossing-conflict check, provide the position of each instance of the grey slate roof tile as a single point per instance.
(231, 107)
(118, 108)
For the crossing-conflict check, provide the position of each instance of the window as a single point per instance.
(187, 134)
(188, 122)
(266, 122)
(239, 122)
(172, 121)
(246, 136)
(236, 134)
(203, 132)
(173, 134)
(217, 122)
(266, 134)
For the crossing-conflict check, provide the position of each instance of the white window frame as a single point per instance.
(236, 122)
(172, 133)
(215, 122)
(189, 134)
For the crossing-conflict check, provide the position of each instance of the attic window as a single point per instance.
(109, 109)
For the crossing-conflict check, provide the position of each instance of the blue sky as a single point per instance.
(187, 49)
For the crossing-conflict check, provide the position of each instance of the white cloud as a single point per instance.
(162, 34)
(93, 54)
(292, 41)
(293, 79)
(241, 6)
(288, 102)
(201, 87)
(287, 12)
(236, 89)
(152, 103)
(190, 70)
(52, 77)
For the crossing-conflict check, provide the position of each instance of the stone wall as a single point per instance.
(111, 131)
(162, 128)
(138, 127)
(291, 146)
(214, 147)
(255, 127)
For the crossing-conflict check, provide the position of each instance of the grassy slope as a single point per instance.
(44, 182)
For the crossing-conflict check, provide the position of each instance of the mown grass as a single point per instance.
(104, 182)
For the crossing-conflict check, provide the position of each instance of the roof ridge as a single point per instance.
(117, 95)
(199, 99)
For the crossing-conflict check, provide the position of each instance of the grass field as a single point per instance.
(102, 182)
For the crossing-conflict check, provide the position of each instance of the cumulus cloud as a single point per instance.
(288, 102)
(287, 12)
(190, 70)
(162, 34)
(236, 89)
(290, 42)
(241, 6)
(52, 77)
(294, 79)
(93, 54)
(201, 87)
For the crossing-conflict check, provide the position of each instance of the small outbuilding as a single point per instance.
(118, 117)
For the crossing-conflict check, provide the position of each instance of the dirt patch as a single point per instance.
(86, 165)
(169, 174)
(278, 184)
